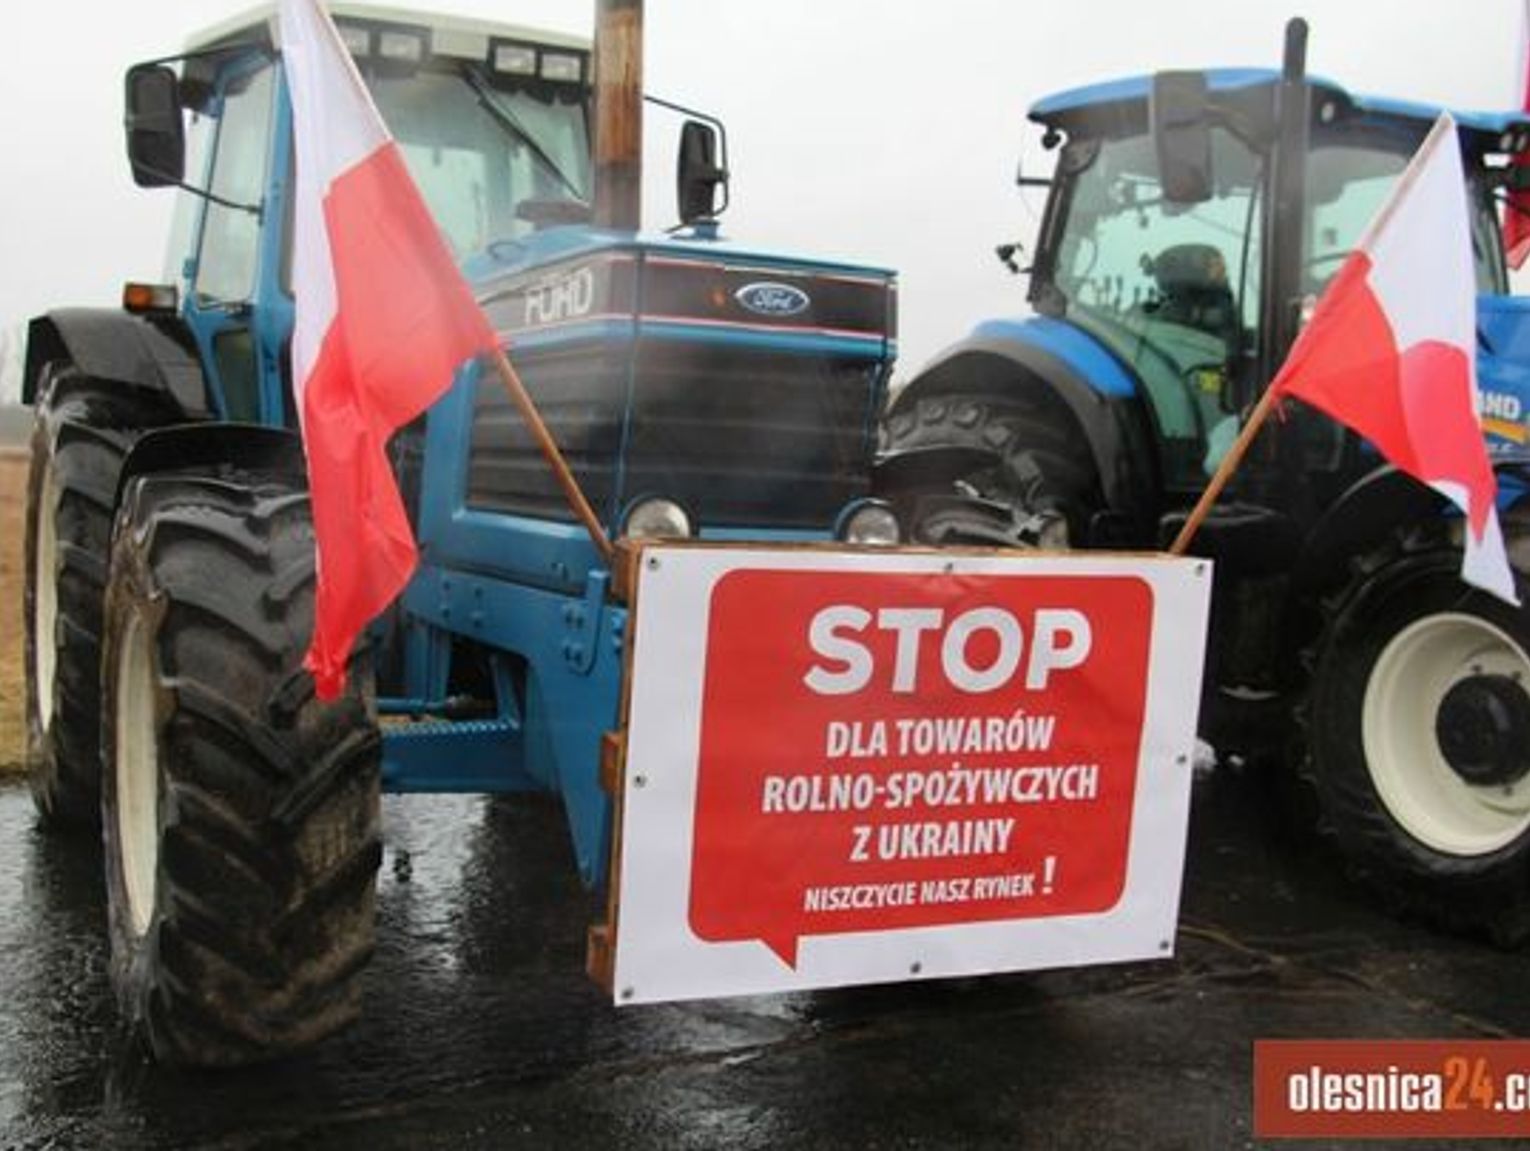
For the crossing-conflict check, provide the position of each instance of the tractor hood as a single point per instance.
(743, 387)
(536, 287)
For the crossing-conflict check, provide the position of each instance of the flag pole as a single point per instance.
(1224, 471)
(550, 452)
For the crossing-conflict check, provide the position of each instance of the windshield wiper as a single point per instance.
(510, 120)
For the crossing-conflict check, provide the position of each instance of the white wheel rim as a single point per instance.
(1410, 680)
(137, 773)
(45, 600)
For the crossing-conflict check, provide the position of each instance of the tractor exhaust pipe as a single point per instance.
(1283, 240)
(618, 114)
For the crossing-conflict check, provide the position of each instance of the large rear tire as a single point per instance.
(1416, 740)
(83, 429)
(1034, 461)
(241, 815)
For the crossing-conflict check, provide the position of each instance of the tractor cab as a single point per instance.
(1159, 239)
(493, 122)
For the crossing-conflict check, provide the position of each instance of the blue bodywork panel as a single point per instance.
(1503, 372)
(1078, 350)
(569, 652)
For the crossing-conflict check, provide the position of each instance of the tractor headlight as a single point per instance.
(512, 59)
(563, 67)
(871, 524)
(396, 45)
(402, 47)
(654, 518)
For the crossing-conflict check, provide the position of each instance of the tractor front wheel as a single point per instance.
(240, 814)
(1416, 740)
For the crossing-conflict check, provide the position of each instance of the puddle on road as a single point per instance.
(56, 1017)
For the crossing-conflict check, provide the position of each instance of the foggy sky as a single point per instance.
(878, 131)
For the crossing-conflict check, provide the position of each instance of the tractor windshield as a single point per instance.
(490, 161)
(1171, 288)
(1349, 175)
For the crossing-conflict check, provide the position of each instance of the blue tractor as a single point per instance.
(1192, 220)
(696, 390)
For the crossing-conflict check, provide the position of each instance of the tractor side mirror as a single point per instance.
(1182, 136)
(156, 130)
(699, 174)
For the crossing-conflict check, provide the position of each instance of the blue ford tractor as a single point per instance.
(696, 391)
(1192, 219)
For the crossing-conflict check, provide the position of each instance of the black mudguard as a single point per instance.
(110, 344)
(207, 446)
(1372, 509)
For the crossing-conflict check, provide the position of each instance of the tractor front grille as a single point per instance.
(743, 438)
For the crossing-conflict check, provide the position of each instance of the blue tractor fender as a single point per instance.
(155, 354)
(1378, 504)
(1053, 366)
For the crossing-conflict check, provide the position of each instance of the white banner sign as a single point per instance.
(857, 768)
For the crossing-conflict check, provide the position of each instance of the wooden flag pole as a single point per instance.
(572, 492)
(1224, 472)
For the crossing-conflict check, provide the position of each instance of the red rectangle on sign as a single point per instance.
(900, 750)
(1445, 1088)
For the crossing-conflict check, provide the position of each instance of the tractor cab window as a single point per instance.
(1346, 186)
(1171, 288)
(188, 204)
(1347, 182)
(231, 235)
(491, 162)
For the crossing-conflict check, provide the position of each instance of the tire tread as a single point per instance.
(264, 919)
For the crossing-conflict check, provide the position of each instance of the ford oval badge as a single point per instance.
(771, 299)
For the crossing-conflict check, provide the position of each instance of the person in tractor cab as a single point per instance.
(1193, 290)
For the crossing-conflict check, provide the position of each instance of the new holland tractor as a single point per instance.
(1192, 220)
(696, 390)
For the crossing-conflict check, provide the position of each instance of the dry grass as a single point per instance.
(13, 480)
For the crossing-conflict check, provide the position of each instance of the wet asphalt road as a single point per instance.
(482, 1031)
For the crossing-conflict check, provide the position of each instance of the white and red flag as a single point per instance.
(1390, 349)
(384, 318)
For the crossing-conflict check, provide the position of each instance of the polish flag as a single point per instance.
(1516, 219)
(383, 320)
(1390, 349)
